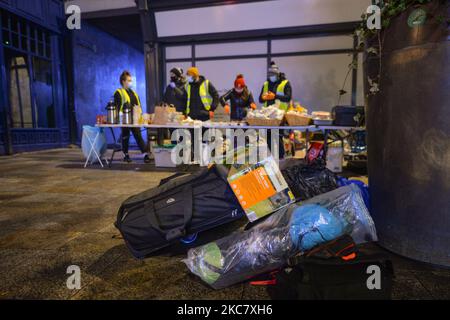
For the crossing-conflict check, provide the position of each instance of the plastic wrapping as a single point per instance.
(100, 145)
(289, 231)
(364, 188)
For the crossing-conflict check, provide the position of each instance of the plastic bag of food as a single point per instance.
(288, 232)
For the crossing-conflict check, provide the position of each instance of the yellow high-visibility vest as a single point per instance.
(280, 92)
(205, 97)
(125, 97)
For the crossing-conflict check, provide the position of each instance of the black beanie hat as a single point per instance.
(177, 71)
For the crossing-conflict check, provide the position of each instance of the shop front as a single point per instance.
(33, 106)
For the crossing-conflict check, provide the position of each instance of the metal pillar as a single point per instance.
(355, 71)
(4, 109)
(151, 54)
(152, 73)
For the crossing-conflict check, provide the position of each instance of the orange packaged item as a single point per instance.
(260, 188)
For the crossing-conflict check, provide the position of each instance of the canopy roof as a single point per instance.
(179, 18)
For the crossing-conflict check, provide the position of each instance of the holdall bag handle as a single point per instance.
(175, 233)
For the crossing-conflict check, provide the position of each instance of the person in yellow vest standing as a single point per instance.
(122, 96)
(277, 87)
(200, 95)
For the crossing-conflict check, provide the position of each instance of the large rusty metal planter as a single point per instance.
(408, 125)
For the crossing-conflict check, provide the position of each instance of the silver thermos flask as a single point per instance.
(111, 113)
(127, 114)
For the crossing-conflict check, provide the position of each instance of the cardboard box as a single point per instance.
(163, 156)
(261, 188)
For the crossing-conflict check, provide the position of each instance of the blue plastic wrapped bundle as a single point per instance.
(312, 225)
(289, 231)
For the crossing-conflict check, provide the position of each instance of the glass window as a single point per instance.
(230, 49)
(19, 90)
(222, 73)
(29, 73)
(317, 79)
(43, 93)
(178, 52)
(39, 35)
(24, 43)
(21, 27)
(15, 40)
(5, 19)
(48, 51)
(6, 38)
(312, 44)
(40, 48)
(14, 24)
(33, 47)
(32, 33)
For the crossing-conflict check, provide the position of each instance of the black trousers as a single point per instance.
(137, 136)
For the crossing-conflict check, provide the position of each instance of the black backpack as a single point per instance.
(335, 278)
(179, 206)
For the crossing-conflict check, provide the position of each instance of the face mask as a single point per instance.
(238, 90)
(273, 78)
(190, 79)
(129, 84)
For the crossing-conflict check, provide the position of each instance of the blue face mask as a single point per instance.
(190, 79)
(273, 78)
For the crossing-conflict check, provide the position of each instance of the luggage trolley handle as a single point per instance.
(175, 233)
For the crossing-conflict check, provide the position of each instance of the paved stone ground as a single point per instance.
(54, 213)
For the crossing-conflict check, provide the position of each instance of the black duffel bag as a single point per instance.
(313, 278)
(180, 206)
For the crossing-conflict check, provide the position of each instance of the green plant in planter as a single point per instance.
(390, 9)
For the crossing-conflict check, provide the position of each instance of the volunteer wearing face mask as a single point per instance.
(200, 96)
(241, 99)
(122, 96)
(175, 90)
(277, 87)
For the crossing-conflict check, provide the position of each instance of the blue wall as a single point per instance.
(99, 59)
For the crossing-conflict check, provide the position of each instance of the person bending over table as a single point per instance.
(122, 96)
(240, 99)
(200, 96)
(276, 88)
